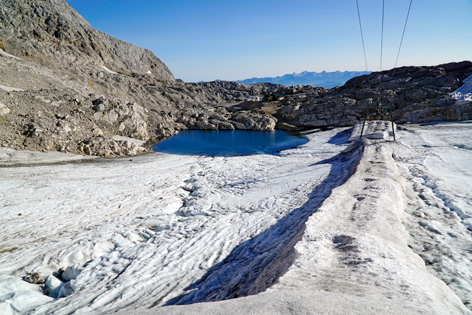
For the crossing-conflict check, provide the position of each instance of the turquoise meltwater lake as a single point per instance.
(229, 143)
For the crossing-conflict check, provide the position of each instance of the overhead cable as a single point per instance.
(403, 35)
(382, 37)
(362, 35)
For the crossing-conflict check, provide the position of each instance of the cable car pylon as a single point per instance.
(379, 105)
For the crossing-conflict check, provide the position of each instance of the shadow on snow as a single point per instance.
(259, 262)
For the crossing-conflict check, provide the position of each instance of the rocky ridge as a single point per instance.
(406, 94)
(52, 33)
(67, 87)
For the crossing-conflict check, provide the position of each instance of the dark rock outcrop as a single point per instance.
(406, 94)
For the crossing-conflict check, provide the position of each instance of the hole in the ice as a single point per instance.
(342, 240)
(462, 146)
(359, 198)
(229, 143)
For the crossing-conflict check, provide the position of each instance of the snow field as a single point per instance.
(371, 227)
(144, 230)
(359, 252)
(108, 70)
(355, 244)
(463, 94)
(439, 206)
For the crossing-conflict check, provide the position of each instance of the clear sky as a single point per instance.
(203, 40)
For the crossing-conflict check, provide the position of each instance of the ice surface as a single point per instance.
(313, 230)
(53, 286)
(151, 226)
(71, 273)
(464, 93)
(18, 296)
(439, 212)
(356, 243)
(374, 130)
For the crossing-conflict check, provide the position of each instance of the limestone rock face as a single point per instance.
(51, 30)
(254, 121)
(4, 109)
(129, 119)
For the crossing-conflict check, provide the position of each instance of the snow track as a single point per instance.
(355, 244)
(256, 264)
(439, 210)
(351, 246)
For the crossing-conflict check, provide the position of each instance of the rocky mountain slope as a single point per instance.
(70, 88)
(51, 32)
(67, 87)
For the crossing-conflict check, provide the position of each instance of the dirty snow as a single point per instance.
(5, 54)
(330, 227)
(108, 70)
(12, 157)
(10, 89)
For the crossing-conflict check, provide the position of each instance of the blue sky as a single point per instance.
(231, 40)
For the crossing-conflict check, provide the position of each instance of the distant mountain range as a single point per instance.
(324, 79)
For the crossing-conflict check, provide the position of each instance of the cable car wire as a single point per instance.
(362, 35)
(403, 35)
(382, 37)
